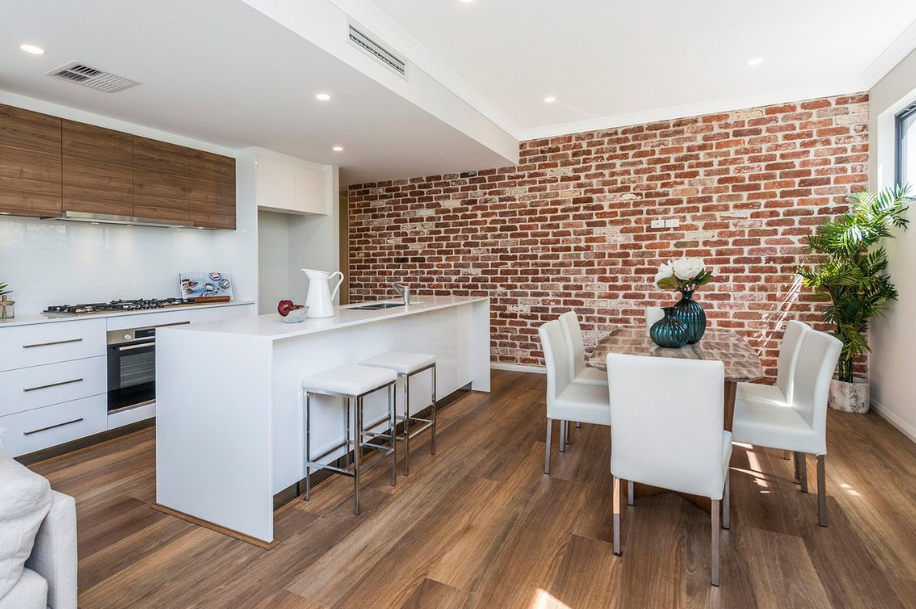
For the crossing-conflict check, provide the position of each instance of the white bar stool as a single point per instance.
(406, 364)
(352, 383)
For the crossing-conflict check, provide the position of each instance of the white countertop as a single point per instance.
(272, 327)
(26, 320)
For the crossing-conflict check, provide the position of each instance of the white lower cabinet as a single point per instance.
(54, 376)
(39, 344)
(39, 386)
(33, 430)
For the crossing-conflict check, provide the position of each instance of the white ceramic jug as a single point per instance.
(320, 299)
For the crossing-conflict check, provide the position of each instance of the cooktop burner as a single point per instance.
(117, 305)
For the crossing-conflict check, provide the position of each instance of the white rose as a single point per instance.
(687, 268)
(664, 271)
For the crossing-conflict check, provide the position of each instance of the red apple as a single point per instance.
(284, 307)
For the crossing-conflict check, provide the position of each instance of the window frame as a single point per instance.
(908, 113)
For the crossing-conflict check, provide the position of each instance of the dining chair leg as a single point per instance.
(563, 425)
(821, 490)
(726, 501)
(797, 474)
(802, 459)
(616, 512)
(787, 454)
(578, 424)
(629, 492)
(568, 433)
(714, 560)
(547, 455)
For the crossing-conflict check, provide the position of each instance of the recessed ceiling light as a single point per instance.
(755, 62)
(466, 1)
(337, 148)
(550, 99)
(323, 97)
(31, 48)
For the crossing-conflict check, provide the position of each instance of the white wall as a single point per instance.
(273, 259)
(893, 336)
(290, 243)
(51, 262)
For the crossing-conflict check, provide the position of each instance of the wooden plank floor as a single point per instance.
(480, 525)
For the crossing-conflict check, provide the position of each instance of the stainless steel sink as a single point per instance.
(378, 305)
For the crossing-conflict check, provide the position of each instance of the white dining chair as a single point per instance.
(799, 426)
(667, 430)
(568, 401)
(579, 372)
(781, 392)
(653, 314)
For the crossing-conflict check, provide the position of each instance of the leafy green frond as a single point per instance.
(853, 273)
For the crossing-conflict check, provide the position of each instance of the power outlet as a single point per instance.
(657, 224)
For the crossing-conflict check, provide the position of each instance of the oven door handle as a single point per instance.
(132, 347)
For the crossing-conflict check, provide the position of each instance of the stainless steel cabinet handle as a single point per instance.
(29, 433)
(56, 342)
(48, 386)
(130, 347)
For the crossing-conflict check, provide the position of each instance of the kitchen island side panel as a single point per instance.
(213, 429)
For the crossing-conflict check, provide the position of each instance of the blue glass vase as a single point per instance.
(692, 315)
(669, 331)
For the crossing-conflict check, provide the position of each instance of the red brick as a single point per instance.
(569, 227)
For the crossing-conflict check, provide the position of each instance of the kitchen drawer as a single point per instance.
(144, 320)
(199, 316)
(38, 386)
(26, 432)
(38, 344)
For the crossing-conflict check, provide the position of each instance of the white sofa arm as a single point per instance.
(54, 555)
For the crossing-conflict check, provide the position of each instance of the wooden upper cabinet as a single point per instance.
(49, 165)
(30, 163)
(212, 185)
(161, 181)
(97, 170)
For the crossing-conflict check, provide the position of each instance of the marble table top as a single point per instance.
(741, 362)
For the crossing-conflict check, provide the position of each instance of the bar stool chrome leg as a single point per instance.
(357, 453)
(393, 432)
(346, 410)
(406, 379)
(308, 443)
(432, 445)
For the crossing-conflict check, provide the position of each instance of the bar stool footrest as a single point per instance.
(339, 470)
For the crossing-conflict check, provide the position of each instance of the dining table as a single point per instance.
(740, 360)
(721, 344)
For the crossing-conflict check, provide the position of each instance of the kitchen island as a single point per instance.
(230, 421)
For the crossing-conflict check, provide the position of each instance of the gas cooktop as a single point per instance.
(118, 305)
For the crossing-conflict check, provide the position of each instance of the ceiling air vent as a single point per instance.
(91, 77)
(377, 50)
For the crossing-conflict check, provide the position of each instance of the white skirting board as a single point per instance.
(894, 420)
(518, 368)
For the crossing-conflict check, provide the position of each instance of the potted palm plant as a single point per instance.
(853, 275)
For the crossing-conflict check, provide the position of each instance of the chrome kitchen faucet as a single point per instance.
(403, 291)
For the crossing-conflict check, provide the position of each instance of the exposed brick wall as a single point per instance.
(569, 227)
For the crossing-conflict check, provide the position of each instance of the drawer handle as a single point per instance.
(29, 433)
(56, 342)
(48, 386)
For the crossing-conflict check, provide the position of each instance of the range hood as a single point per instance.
(78, 216)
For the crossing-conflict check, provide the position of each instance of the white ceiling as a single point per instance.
(611, 63)
(221, 72)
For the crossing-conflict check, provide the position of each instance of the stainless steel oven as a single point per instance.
(132, 367)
